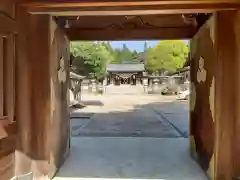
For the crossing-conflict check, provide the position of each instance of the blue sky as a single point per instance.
(135, 45)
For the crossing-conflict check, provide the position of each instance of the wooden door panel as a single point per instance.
(10, 75)
(7, 7)
(8, 25)
(8, 129)
(7, 77)
(7, 166)
(7, 150)
(2, 117)
(7, 145)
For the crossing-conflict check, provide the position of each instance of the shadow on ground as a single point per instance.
(160, 120)
(92, 103)
(146, 141)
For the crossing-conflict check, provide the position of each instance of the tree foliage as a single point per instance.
(94, 56)
(167, 56)
(125, 56)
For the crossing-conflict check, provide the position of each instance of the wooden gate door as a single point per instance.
(7, 88)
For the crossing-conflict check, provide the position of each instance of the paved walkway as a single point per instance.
(132, 116)
(130, 137)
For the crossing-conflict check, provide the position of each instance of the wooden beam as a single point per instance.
(80, 12)
(136, 34)
(129, 7)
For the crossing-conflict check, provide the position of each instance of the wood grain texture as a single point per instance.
(23, 90)
(59, 125)
(9, 25)
(7, 143)
(100, 3)
(1, 76)
(125, 7)
(236, 140)
(36, 72)
(128, 27)
(7, 166)
(44, 121)
(225, 68)
(7, 7)
(202, 125)
(136, 34)
(38, 54)
(32, 149)
(10, 76)
(7, 149)
(126, 22)
(8, 129)
(225, 72)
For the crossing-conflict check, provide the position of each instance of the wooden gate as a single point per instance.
(7, 90)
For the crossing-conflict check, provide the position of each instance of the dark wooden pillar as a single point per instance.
(42, 98)
(38, 54)
(33, 93)
(8, 130)
(215, 100)
(236, 138)
(202, 121)
(23, 97)
(227, 94)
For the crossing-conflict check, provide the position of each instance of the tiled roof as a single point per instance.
(125, 68)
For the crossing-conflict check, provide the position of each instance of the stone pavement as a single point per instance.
(108, 158)
(131, 116)
(130, 137)
(176, 113)
(124, 89)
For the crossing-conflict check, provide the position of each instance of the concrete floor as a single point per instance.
(130, 158)
(131, 137)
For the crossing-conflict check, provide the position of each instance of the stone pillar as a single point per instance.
(94, 86)
(105, 83)
(89, 86)
(145, 85)
(79, 93)
(155, 85)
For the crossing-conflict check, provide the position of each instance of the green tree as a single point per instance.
(125, 56)
(93, 55)
(145, 51)
(108, 47)
(167, 55)
(117, 57)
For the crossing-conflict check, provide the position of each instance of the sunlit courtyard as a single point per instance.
(130, 137)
